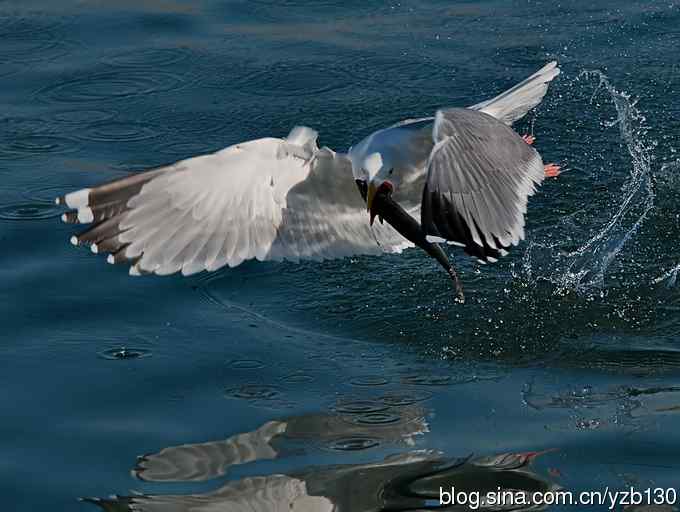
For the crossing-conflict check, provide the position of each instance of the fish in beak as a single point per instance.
(372, 192)
(370, 199)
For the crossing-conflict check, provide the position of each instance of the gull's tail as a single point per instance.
(514, 103)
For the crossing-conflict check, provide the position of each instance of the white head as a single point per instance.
(381, 177)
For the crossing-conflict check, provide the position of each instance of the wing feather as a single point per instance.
(479, 177)
(514, 103)
(267, 199)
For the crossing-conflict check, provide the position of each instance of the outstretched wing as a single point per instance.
(479, 176)
(514, 103)
(415, 135)
(269, 199)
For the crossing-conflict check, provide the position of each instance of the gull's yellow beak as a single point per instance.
(370, 195)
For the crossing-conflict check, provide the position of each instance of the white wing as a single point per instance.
(269, 199)
(514, 103)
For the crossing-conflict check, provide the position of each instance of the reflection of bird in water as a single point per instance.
(203, 461)
(464, 173)
(408, 481)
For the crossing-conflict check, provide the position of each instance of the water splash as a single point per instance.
(670, 277)
(582, 270)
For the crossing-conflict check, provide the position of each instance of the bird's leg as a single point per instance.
(437, 253)
(551, 170)
(529, 138)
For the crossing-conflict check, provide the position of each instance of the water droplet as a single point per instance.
(254, 392)
(588, 424)
(124, 353)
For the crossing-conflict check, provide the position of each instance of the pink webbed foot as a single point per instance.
(551, 170)
(529, 139)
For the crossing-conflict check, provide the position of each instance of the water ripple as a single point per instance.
(124, 353)
(401, 399)
(369, 380)
(354, 406)
(246, 364)
(80, 117)
(378, 418)
(435, 380)
(293, 79)
(254, 392)
(30, 47)
(189, 124)
(353, 444)
(299, 377)
(29, 211)
(145, 58)
(24, 146)
(118, 131)
(111, 86)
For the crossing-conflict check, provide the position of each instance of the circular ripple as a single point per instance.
(359, 406)
(29, 211)
(190, 124)
(406, 398)
(293, 79)
(353, 444)
(17, 126)
(246, 364)
(118, 131)
(16, 25)
(149, 57)
(109, 86)
(435, 380)
(254, 392)
(36, 145)
(369, 380)
(298, 378)
(377, 418)
(27, 48)
(81, 117)
(185, 149)
(44, 193)
(124, 353)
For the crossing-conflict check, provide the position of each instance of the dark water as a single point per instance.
(356, 382)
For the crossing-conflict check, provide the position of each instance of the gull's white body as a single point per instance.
(273, 199)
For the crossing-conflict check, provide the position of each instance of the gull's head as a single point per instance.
(380, 180)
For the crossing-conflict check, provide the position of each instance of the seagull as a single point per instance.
(462, 177)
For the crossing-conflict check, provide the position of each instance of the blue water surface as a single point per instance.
(357, 382)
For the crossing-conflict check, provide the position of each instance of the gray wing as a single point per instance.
(479, 176)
